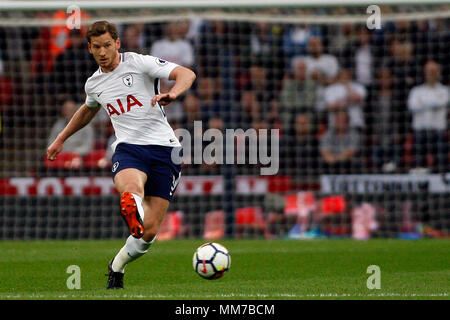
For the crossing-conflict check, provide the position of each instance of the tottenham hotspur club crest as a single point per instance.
(128, 80)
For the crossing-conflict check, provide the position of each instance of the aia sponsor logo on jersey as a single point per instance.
(132, 101)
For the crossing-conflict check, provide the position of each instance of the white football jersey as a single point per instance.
(126, 94)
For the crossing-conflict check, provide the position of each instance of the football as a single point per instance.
(211, 260)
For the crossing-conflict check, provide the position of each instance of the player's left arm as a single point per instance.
(184, 78)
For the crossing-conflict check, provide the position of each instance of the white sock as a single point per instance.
(139, 205)
(133, 249)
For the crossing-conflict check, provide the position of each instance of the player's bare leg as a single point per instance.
(157, 209)
(130, 183)
(154, 209)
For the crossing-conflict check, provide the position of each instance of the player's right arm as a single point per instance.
(80, 119)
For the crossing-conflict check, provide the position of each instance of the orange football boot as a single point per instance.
(129, 211)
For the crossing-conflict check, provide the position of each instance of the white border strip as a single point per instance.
(135, 4)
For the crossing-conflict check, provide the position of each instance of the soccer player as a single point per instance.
(126, 85)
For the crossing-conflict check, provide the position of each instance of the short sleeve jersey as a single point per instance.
(126, 93)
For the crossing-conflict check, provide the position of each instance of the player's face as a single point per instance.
(105, 50)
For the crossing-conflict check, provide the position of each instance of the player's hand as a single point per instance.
(163, 99)
(54, 149)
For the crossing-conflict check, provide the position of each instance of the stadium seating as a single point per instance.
(332, 205)
(214, 225)
(65, 160)
(250, 220)
(172, 226)
(92, 159)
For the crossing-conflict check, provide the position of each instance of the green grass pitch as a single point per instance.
(260, 269)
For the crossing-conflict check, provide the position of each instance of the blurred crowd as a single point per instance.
(345, 99)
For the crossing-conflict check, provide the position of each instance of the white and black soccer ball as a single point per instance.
(211, 260)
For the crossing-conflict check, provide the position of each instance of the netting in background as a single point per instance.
(362, 114)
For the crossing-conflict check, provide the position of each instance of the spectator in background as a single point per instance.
(194, 30)
(258, 81)
(73, 67)
(41, 64)
(439, 45)
(216, 59)
(403, 31)
(210, 98)
(133, 39)
(174, 47)
(320, 67)
(403, 65)
(264, 92)
(82, 141)
(346, 95)
(216, 123)
(216, 51)
(428, 104)
(340, 39)
(2, 94)
(6, 112)
(300, 147)
(2, 68)
(209, 147)
(297, 93)
(296, 39)
(405, 75)
(386, 140)
(51, 42)
(191, 111)
(363, 58)
(266, 46)
(253, 115)
(250, 110)
(263, 40)
(339, 146)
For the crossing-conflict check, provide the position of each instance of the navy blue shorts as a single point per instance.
(155, 161)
